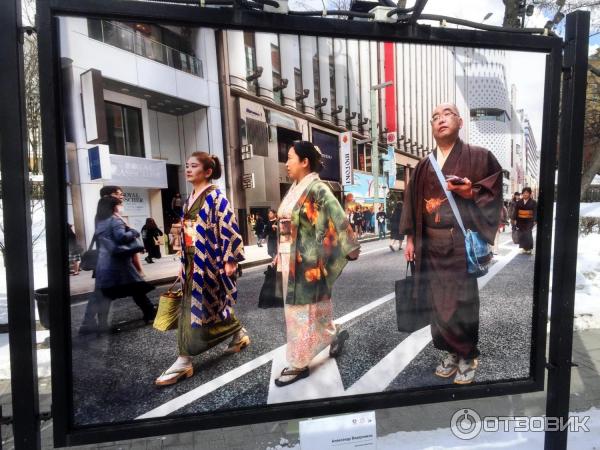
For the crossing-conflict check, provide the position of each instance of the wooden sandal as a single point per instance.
(184, 372)
(239, 345)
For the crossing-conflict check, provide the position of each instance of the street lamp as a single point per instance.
(375, 140)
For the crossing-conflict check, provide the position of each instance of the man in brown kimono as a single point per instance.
(436, 243)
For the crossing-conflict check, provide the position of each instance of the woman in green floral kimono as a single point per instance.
(213, 248)
(315, 243)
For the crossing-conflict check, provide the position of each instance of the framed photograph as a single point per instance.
(212, 267)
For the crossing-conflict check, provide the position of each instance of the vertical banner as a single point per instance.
(389, 68)
(346, 158)
(94, 113)
(390, 166)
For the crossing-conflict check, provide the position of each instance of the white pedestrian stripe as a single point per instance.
(325, 379)
(379, 377)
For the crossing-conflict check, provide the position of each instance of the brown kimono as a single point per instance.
(441, 267)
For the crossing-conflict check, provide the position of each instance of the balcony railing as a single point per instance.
(127, 39)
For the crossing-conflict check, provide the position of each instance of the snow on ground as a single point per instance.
(442, 438)
(587, 286)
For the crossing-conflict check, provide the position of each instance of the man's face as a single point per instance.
(526, 195)
(446, 122)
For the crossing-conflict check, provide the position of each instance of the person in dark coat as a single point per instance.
(271, 233)
(116, 275)
(524, 215)
(395, 235)
(151, 236)
(437, 246)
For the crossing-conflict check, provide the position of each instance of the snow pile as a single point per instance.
(587, 286)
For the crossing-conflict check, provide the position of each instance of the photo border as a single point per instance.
(65, 432)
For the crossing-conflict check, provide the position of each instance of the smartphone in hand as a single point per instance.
(453, 179)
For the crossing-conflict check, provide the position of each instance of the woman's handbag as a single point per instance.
(169, 306)
(130, 248)
(157, 241)
(412, 311)
(515, 235)
(477, 249)
(89, 259)
(269, 297)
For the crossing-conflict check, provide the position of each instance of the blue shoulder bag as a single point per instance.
(477, 248)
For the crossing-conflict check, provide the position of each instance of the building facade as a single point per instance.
(282, 88)
(138, 99)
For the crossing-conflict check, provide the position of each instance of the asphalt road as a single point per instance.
(113, 374)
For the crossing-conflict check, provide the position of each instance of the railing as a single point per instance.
(127, 39)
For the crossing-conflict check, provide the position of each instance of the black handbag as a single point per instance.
(89, 259)
(269, 296)
(412, 311)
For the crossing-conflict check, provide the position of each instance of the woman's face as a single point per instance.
(271, 215)
(296, 169)
(194, 171)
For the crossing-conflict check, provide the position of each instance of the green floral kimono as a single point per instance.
(315, 241)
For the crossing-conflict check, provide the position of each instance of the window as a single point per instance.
(488, 114)
(400, 172)
(317, 81)
(332, 82)
(285, 139)
(250, 52)
(125, 135)
(276, 62)
(362, 157)
(299, 88)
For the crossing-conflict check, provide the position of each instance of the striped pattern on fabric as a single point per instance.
(217, 240)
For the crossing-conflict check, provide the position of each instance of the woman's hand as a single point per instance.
(409, 251)
(230, 268)
(353, 255)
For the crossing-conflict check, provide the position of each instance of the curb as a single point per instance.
(244, 265)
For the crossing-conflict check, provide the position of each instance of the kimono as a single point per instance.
(211, 238)
(441, 278)
(315, 239)
(525, 215)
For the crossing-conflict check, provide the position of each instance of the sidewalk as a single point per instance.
(164, 270)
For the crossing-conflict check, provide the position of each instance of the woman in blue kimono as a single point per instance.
(210, 255)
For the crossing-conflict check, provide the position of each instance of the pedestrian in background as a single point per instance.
(259, 230)
(213, 248)
(367, 216)
(75, 251)
(501, 225)
(359, 221)
(524, 216)
(315, 242)
(395, 235)
(151, 235)
(381, 218)
(116, 275)
(271, 233)
(177, 205)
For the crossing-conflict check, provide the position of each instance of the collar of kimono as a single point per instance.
(294, 195)
(194, 196)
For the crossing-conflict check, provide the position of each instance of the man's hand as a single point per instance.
(409, 251)
(464, 190)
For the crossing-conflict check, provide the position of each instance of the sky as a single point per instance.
(525, 70)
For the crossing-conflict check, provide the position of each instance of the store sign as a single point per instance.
(345, 432)
(248, 181)
(330, 151)
(346, 158)
(99, 163)
(138, 172)
(136, 204)
(282, 120)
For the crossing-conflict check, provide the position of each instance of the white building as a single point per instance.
(150, 96)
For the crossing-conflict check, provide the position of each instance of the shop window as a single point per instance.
(332, 98)
(317, 82)
(125, 131)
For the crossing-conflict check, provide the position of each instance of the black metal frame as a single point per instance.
(17, 222)
(65, 433)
